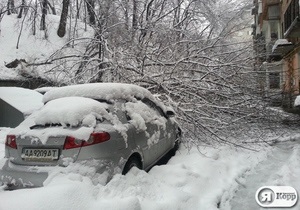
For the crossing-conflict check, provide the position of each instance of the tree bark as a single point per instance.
(21, 9)
(11, 7)
(134, 15)
(44, 13)
(52, 8)
(34, 19)
(8, 8)
(90, 5)
(63, 19)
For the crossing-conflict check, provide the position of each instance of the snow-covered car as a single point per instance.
(117, 125)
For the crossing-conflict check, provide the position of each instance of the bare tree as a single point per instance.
(11, 7)
(188, 52)
(63, 19)
(52, 7)
(21, 9)
(44, 13)
(90, 5)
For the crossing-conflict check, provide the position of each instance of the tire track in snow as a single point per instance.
(262, 175)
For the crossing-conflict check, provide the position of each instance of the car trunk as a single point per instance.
(55, 133)
(33, 152)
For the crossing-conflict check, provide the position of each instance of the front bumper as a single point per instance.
(18, 176)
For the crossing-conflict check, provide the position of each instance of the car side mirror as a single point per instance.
(170, 113)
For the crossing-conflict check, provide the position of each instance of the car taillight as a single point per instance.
(71, 143)
(11, 141)
(95, 138)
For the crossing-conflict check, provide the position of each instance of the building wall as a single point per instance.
(291, 63)
(291, 67)
(291, 83)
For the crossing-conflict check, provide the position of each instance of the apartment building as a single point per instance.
(276, 38)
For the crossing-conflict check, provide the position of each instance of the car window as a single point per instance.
(153, 106)
(140, 114)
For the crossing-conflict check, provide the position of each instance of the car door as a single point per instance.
(149, 129)
(161, 126)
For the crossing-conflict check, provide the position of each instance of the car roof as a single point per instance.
(102, 91)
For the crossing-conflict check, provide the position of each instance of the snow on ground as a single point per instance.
(30, 47)
(18, 42)
(281, 167)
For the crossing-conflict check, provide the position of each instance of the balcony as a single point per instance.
(291, 20)
(294, 29)
(279, 49)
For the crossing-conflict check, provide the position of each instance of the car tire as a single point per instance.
(132, 162)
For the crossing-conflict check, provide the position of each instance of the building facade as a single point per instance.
(276, 35)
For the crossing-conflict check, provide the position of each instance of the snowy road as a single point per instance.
(281, 167)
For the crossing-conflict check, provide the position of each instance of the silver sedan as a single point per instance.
(117, 126)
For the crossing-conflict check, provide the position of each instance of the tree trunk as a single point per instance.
(52, 8)
(126, 15)
(44, 13)
(90, 5)
(11, 7)
(8, 8)
(134, 15)
(63, 19)
(21, 9)
(34, 19)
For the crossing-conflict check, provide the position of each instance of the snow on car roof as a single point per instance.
(72, 111)
(25, 100)
(104, 91)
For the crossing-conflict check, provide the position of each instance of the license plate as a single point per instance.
(40, 154)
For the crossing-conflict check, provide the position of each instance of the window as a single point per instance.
(291, 14)
(274, 79)
(153, 106)
(274, 12)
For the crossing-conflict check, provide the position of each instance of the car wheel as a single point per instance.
(132, 162)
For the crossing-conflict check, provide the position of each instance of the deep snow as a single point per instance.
(280, 168)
